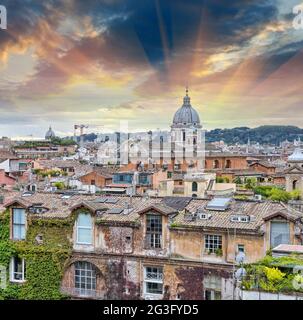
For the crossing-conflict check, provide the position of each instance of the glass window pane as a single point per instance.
(22, 232)
(19, 216)
(84, 220)
(18, 269)
(85, 278)
(279, 233)
(154, 288)
(84, 235)
(18, 232)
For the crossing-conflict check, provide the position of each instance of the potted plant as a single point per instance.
(219, 252)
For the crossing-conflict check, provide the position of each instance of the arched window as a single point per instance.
(295, 184)
(228, 164)
(216, 164)
(194, 186)
(84, 229)
(85, 278)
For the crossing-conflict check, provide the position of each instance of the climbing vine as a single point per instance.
(46, 249)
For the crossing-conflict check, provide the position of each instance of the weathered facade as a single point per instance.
(157, 248)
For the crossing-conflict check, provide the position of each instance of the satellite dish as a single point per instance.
(240, 257)
(240, 273)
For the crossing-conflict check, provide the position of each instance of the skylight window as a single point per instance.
(111, 200)
(100, 200)
(219, 204)
(27, 194)
(65, 196)
(115, 211)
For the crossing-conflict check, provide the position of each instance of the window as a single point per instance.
(153, 231)
(213, 243)
(84, 229)
(228, 164)
(17, 273)
(18, 224)
(194, 186)
(93, 182)
(241, 248)
(153, 280)
(212, 295)
(22, 166)
(240, 218)
(216, 164)
(85, 278)
(279, 233)
(212, 287)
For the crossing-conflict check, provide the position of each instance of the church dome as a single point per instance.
(186, 115)
(50, 134)
(296, 156)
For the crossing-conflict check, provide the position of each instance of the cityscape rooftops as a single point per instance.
(297, 156)
(257, 211)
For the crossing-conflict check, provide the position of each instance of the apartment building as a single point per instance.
(151, 248)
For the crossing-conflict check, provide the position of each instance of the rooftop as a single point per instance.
(60, 206)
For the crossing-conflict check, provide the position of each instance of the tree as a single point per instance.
(237, 180)
(265, 191)
(59, 185)
(250, 183)
(295, 195)
(280, 195)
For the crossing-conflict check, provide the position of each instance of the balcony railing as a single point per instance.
(84, 293)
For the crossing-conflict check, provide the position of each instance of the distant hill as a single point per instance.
(263, 135)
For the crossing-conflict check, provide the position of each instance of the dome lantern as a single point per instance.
(186, 115)
(50, 134)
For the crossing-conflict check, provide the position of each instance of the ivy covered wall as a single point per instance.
(45, 257)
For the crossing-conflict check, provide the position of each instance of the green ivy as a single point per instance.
(45, 261)
(268, 276)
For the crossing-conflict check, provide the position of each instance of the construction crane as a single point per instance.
(81, 128)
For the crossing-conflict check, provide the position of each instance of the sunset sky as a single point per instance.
(66, 62)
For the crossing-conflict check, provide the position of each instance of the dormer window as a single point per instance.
(84, 229)
(279, 233)
(240, 218)
(19, 221)
(153, 231)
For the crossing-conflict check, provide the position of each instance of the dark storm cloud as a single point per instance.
(222, 22)
(132, 33)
